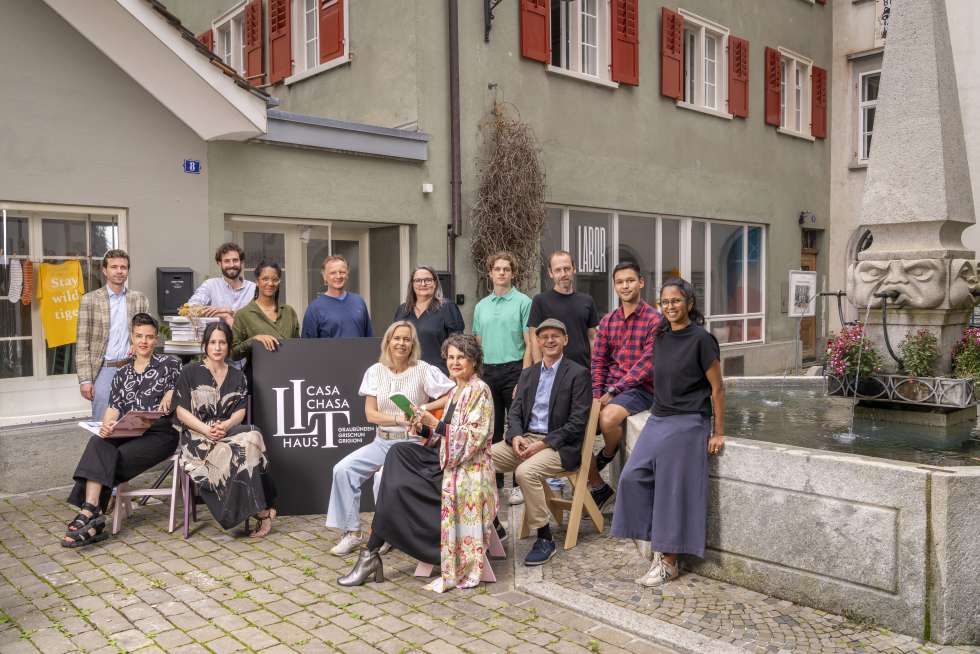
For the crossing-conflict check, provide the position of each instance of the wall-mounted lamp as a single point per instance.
(304, 235)
(427, 188)
(808, 217)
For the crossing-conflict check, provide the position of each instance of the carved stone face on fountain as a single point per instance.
(919, 283)
(964, 282)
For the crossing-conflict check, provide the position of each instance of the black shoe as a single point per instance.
(501, 533)
(601, 460)
(602, 495)
(542, 552)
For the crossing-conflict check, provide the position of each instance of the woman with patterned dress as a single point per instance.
(437, 503)
(144, 384)
(224, 458)
(398, 370)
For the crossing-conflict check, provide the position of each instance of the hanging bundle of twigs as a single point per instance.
(509, 212)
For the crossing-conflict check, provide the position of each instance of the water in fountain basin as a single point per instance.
(812, 419)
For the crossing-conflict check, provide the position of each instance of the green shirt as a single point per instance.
(500, 321)
(250, 320)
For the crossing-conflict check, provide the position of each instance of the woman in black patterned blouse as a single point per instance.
(144, 384)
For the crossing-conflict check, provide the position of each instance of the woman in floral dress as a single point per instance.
(224, 458)
(437, 503)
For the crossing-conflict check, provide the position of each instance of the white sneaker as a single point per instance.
(350, 542)
(516, 496)
(659, 574)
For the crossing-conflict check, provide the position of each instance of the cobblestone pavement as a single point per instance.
(604, 568)
(148, 591)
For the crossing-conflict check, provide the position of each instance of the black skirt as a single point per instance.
(409, 512)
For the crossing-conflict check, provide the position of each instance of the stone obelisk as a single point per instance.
(917, 196)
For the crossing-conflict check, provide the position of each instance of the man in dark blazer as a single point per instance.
(546, 426)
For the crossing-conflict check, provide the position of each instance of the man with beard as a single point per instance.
(223, 296)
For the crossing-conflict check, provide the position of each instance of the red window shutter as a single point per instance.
(280, 41)
(738, 77)
(254, 64)
(671, 54)
(818, 106)
(773, 79)
(331, 30)
(535, 35)
(625, 44)
(207, 38)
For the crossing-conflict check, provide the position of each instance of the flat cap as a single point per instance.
(553, 323)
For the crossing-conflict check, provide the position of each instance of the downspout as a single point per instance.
(455, 183)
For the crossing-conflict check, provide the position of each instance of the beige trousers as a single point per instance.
(530, 475)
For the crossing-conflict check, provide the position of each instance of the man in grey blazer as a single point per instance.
(546, 427)
(104, 319)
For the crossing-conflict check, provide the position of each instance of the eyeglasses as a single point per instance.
(671, 301)
(427, 281)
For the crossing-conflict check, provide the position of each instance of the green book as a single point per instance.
(403, 403)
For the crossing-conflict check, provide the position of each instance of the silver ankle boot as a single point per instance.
(368, 564)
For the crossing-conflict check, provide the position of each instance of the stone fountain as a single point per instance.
(917, 201)
(871, 524)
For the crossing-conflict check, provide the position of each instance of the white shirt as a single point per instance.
(217, 292)
(118, 344)
(419, 383)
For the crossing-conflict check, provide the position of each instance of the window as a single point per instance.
(49, 237)
(580, 37)
(229, 31)
(725, 261)
(867, 106)
(705, 64)
(794, 93)
(736, 289)
(311, 34)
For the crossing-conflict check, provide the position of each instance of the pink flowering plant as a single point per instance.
(966, 355)
(841, 358)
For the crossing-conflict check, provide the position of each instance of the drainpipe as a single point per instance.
(455, 184)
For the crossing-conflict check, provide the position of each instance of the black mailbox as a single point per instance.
(174, 287)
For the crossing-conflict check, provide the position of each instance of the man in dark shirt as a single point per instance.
(337, 313)
(577, 311)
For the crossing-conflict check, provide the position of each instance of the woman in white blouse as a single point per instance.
(399, 370)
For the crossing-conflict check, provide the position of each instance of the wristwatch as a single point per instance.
(422, 407)
(612, 390)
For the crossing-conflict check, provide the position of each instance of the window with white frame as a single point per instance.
(318, 35)
(794, 93)
(580, 37)
(311, 34)
(705, 63)
(48, 237)
(867, 106)
(725, 261)
(229, 35)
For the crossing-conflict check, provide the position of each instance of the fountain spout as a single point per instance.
(885, 296)
(840, 304)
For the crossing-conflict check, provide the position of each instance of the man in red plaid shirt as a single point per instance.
(622, 368)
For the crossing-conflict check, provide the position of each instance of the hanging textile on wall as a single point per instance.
(60, 291)
(27, 294)
(15, 283)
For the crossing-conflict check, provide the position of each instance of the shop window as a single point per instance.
(638, 243)
(589, 236)
(670, 252)
(736, 288)
(47, 237)
(551, 240)
(698, 269)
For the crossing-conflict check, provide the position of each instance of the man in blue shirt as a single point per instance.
(337, 313)
(545, 430)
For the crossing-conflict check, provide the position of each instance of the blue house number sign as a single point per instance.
(192, 166)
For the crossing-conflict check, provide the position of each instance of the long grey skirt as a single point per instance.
(663, 490)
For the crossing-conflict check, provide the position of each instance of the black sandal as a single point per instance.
(80, 528)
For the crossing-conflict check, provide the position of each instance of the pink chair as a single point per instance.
(495, 550)
(124, 495)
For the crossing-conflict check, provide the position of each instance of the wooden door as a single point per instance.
(808, 326)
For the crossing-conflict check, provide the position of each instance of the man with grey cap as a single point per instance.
(545, 429)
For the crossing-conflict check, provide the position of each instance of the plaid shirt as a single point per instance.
(622, 355)
(93, 329)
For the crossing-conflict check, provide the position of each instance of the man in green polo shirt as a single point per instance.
(500, 324)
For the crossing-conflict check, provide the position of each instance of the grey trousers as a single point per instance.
(663, 490)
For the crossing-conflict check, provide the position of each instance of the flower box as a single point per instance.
(946, 392)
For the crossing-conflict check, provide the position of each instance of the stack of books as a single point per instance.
(185, 334)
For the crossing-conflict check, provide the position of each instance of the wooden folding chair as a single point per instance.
(495, 549)
(581, 497)
(124, 497)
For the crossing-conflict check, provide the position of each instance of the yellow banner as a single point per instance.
(60, 290)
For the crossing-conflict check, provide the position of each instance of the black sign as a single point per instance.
(305, 402)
